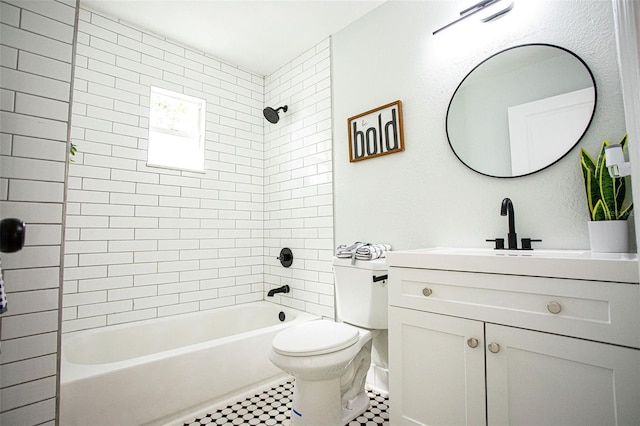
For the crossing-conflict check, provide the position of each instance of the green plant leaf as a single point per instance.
(605, 195)
(624, 141)
(600, 212)
(620, 193)
(608, 187)
(624, 214)
(587, 160)
(73, 148)
(590, 182)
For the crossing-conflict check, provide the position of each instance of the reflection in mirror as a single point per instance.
(521, 110)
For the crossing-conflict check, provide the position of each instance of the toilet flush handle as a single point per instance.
(380, 278)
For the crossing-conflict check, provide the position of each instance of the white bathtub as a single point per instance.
(150, 371)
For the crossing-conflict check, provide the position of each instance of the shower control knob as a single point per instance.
(12, 235)
(493, 347)
(554, 307)
(426, 291)
(286, 257)
(472, 342)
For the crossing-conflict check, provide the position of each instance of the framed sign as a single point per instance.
(376, 132)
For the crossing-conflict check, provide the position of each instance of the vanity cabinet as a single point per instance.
(435, 376)
(478, 348)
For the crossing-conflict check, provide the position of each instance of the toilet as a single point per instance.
(330, 359)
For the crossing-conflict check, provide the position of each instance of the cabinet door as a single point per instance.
(436, 373)
(544, 379)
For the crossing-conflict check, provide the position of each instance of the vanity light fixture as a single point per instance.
(478, 7)
(615, 161)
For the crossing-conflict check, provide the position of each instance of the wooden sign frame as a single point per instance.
(376, 132)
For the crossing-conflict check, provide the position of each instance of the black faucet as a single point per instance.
(283, 289)
(507, 210)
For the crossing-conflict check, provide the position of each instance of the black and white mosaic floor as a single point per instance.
(272, 407)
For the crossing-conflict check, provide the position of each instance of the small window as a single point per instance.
(176, 130)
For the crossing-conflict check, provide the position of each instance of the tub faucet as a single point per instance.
(507, 210)
(283, 289)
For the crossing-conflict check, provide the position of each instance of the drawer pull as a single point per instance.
(472, 342)
(493, 347)
(554, 307)
(426, 291)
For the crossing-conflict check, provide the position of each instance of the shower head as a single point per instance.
(272, 114)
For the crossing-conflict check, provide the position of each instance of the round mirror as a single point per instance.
(521, 110)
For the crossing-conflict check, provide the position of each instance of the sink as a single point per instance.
(558, 254)
(572, 264)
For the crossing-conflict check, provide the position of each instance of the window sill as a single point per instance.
(180, 169)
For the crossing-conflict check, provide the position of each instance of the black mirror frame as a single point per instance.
(595, 102)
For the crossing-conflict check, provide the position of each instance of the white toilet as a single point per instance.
(330, 360)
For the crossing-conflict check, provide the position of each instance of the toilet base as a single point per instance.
(318, 403)
(360, 405)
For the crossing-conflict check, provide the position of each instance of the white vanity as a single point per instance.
(487, 337)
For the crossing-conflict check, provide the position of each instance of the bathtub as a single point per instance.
(151, 371)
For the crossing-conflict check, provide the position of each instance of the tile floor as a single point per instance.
(272, 407)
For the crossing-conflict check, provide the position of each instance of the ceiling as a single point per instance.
(256, 35)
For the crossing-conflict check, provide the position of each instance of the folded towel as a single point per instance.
(372, 251)
(362, 251)
(345, 251)
(3, 298)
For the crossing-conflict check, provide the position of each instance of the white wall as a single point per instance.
(144, 242)
(424, 196)
(36, 46)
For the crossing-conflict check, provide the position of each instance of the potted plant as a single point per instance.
(608, 228)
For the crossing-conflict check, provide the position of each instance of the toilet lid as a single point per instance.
(315, 338)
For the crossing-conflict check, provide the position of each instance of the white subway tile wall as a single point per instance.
(298, 186)
(144, 242)
(36, 45)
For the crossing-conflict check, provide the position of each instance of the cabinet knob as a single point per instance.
(493, 347)
(554, 307)
(472, 342)
(426, 291)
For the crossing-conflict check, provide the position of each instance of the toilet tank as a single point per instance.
(360, 300)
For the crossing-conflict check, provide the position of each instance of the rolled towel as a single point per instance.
(362, 251)
(372, 251)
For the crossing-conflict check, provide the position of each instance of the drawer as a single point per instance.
(601, 311)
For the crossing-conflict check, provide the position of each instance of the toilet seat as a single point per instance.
(315, 338)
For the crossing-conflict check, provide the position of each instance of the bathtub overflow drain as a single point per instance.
(282, 316)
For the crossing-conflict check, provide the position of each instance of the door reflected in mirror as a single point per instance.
(521, 110)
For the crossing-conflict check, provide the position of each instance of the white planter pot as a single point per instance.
(609, 236)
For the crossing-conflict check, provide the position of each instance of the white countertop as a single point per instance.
(573, 264)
